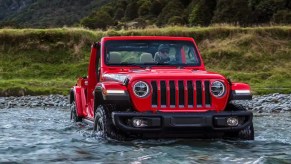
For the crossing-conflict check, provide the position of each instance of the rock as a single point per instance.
(265, 103)
(34, 104)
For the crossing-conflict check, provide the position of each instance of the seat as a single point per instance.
(114, 58)
(146, 58)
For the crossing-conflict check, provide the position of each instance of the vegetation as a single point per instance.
(190, 13)
(45, 14)
(140, 13)
(38, 61)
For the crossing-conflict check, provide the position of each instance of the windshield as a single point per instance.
(151, 52)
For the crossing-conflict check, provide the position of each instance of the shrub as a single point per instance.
(99, 20)
(282, 17)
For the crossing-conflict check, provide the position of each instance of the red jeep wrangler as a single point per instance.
(157, 86)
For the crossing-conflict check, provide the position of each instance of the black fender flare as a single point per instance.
(100, 98)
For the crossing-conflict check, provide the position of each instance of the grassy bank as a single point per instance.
(48, 61)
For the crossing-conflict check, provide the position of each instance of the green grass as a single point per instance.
(20, 87)
(48, 61)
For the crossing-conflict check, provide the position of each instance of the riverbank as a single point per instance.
(50, 101)
(48, 61)
(271, 103)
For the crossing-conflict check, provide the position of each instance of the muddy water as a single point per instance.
(46, 135)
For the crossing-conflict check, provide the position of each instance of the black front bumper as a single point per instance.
(181, 123)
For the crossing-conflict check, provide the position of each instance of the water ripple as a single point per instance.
(47, 135)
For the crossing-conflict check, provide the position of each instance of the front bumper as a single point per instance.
(181, 123)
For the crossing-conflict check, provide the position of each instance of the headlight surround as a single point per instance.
(141, 89)
(217, 89)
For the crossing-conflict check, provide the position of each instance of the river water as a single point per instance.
(41, 135)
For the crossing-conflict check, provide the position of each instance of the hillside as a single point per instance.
(120, 14)
(43, 13)
(34, 61)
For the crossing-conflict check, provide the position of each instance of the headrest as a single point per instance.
(146, 58)
(114, 58)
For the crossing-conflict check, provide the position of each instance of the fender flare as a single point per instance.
(107, 98)
(240, 91)
(98, 98)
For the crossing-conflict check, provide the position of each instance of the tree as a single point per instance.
(144, 9)
(282, 17)
(173, 8)
(176, 20)
(202, 12)
(263, 10)
(232, 11)
(119, 13)
(131, 11)
(288, 4)
(108, 9)
(99, 20)
(156, 7)
(185, 2)
(121, 4)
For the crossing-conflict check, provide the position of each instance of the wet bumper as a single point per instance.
(178, 122)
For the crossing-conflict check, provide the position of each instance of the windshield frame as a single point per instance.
(190, 43)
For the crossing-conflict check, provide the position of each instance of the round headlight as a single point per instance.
(217, 89)
(141, 89)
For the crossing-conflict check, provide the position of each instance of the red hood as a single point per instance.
(134, 74)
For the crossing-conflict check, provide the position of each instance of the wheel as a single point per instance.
(103, 123)
(74, 115)
(245, 134)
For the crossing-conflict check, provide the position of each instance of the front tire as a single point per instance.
(103, 123)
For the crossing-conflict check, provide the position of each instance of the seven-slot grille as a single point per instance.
(181, 94)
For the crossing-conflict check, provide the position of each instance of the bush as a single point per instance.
(99, 20)
(176, 20)
(282, 17)
(156, 7)
(202, 12)
(173, 8)
(131, 11)
(232, 11)
(144, 9)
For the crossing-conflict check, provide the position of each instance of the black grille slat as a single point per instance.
(207, 93)
(155, 94)
(181, 93)
(190, 93)
(163, 94)
(199, 93)
(172, 94)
